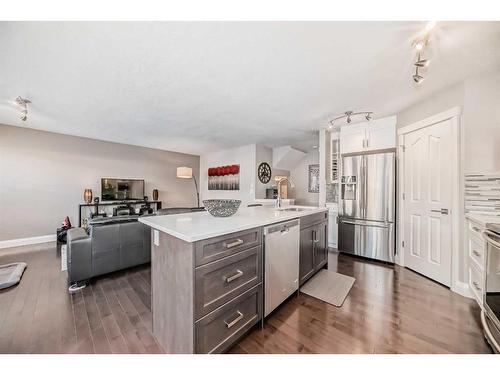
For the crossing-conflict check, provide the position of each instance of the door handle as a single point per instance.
(443, 211)
(342, 221)
(316, 240)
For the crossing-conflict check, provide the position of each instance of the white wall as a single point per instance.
(479, 98)
(43, 175)
(245, 157)
(300, 177)
(481, 116)
(265, 154)
(439, 102)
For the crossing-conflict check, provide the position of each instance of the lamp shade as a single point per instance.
(184, 172)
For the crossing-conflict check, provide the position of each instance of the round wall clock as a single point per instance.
(264, 172)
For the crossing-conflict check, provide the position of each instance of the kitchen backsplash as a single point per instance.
(482, 193)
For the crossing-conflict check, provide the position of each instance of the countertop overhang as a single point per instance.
(483, 219)
(196, 226)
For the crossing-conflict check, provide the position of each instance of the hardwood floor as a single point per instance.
(389, 310)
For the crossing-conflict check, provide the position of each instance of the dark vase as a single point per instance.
(155, 194)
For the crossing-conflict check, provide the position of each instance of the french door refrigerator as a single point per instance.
(367, 205)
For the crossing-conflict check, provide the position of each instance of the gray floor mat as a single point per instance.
(11, 273)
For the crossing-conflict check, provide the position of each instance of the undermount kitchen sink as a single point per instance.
(294, 208)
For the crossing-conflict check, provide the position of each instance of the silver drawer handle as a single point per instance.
(234, 321)
(233, 244)
(231, 278)
(476, 285)
(476, 253)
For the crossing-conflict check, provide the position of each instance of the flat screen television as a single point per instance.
(117, 189)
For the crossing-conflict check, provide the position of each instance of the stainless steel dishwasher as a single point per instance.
(281, 256)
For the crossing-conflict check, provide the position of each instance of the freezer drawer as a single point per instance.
(365, 238)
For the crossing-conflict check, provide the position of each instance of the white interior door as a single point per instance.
(428, 200)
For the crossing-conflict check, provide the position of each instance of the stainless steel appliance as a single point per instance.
(272, 193)
(281, 259)
(367, 205)
(490, 314)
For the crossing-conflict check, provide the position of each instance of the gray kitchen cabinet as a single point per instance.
(306, 257)
(320, 245)
(207, 294)
(313, 245)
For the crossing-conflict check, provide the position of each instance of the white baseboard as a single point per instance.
(27, 241)
(462, 289)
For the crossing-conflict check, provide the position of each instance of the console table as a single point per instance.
(157, 205)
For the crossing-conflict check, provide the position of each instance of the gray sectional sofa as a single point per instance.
(112, 244)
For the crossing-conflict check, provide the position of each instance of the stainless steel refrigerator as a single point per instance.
(367, 205)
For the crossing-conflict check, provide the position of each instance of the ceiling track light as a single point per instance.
(421, 63)
(22, 103)
(348, 116)
(417, 77)
(420, 45)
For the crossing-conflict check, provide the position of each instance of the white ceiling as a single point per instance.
(195, 87)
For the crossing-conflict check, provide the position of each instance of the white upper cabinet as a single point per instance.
(368, 136)
(352, 138)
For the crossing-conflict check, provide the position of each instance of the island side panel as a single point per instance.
(172, 293)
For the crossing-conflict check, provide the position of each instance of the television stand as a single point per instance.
(156, 204)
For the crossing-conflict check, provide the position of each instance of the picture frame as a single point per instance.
(313, 178)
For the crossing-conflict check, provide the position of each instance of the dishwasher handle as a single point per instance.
(282, 227)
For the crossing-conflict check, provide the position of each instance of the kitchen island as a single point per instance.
(207, 272)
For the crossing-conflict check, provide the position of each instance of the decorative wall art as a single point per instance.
(313, 186)
(224, 178)
(264, 172)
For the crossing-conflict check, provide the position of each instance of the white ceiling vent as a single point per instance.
(286, 157)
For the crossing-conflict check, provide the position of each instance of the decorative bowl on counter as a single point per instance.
(222, 207)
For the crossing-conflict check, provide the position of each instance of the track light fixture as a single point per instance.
(22, 104)
(421, 63)
(417, 77)
(420, 44)
(348, 116)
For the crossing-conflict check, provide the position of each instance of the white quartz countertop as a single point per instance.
(196, 226)
(483, 219)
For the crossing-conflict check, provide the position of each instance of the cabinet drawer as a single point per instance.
(218, 282)
(476, 251)
(221, 328)
(476, 284)
(219, 247)
(306, 221)
(475, 231)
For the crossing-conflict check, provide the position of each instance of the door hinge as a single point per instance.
(403, 148)
(402, 244)
(404, 196)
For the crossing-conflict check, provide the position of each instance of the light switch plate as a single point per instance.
(156, 237)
